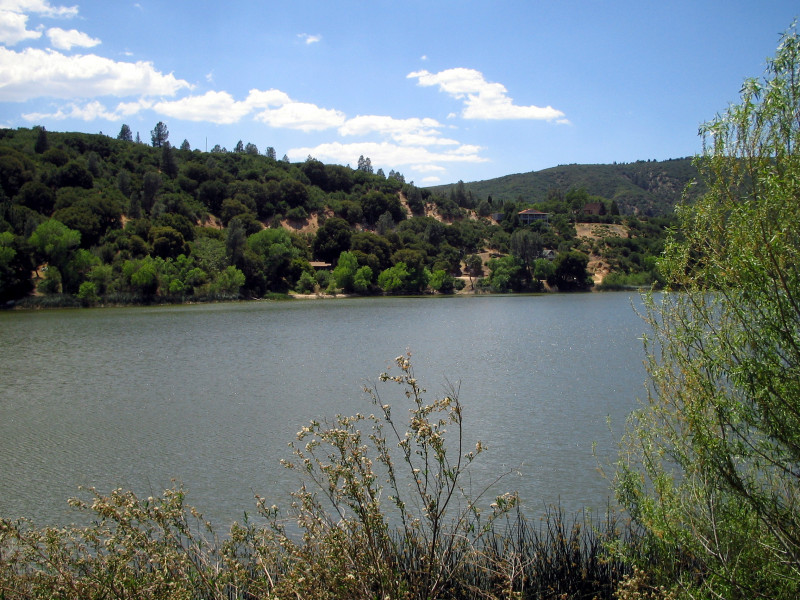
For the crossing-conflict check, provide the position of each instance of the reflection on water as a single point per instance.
(211, 394)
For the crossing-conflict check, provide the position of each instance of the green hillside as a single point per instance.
(89, 219)
(647, 188)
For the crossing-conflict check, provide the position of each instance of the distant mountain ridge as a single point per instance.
(650, 188)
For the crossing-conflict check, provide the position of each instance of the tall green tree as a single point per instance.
(711, 464)
(55, 242)
(15, 267)
(36, 196)
(527, 246)
(345, 271)
(395, 279)
(125, 133)
(473, 265)
(151, 184)
(365, 164)
(42, 143)
(332, 239)
(570, 273)
(507, 274)
(169, 165)
(159, 134)
(275, 249)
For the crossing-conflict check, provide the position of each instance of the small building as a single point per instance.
(594, 208)
(528, 216)
(320, 266)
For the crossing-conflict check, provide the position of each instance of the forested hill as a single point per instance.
(92, 219)
(648, 188)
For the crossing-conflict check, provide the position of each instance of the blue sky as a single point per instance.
(440, 91)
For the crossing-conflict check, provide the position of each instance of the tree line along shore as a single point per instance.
(88, 219)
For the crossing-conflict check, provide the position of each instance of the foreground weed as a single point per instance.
(388, 499)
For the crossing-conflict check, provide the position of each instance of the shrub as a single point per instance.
(306, 284)
(87, 293)
(366, 539)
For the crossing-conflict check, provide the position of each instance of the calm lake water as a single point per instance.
(210, 395)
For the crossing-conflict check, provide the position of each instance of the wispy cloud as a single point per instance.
(90, 111)
(308, 38)
(483, 99)
(41, 7)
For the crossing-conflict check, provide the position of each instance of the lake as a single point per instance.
(211, 394)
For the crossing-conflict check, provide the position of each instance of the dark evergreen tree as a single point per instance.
(159, 134)
(570, 272)
(151, 183)
(332, 239)
(42, 144)
(135, 206)
(364, 164)
(124, 183)
(168, 164)
(235, 241)
(125, 133)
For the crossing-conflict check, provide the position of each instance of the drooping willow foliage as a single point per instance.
(711, 464)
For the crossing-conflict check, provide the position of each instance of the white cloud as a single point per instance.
(14, 28)
(482, 99)
(428, 168)
(267, 98)
(430, 180)
(273, 107)
(302, 116)
(88, 112)
(385, 153)
(67, 39)
(216, 107)
(35, 73)
(309, 39)
(42, 7)
(414, 131)
(131, 108)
